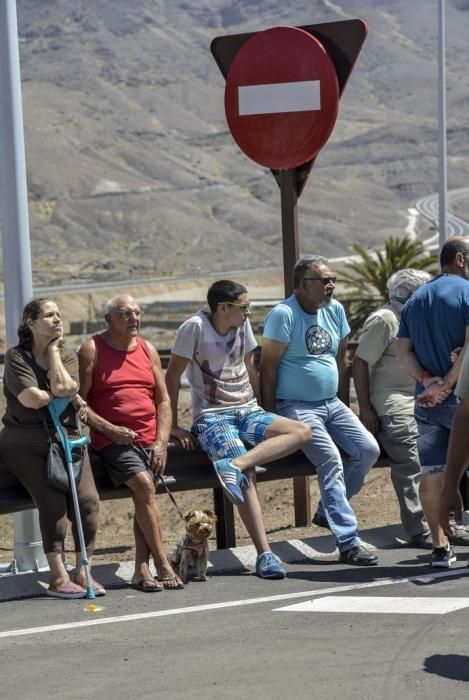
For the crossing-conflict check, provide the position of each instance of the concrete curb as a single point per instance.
(222, 561)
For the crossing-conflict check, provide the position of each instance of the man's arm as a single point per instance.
(343, 392)
(253, 374)
(176, 367)
(86, 364)
(436, 392)
(272, 353)
(449, 381)
(409, 360)
(159, 452)
(361, 380)
(457, 462)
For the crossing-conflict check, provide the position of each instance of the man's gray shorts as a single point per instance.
(124, 461)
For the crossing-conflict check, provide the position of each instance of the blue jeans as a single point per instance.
(335, 426)
(434, 426)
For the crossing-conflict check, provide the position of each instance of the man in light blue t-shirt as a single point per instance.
(304, 377)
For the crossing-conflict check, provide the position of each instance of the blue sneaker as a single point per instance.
(232, 480)
(268, 565)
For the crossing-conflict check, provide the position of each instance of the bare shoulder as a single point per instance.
(152, 351)
(153, 354)
(87, 354)
(88, 348)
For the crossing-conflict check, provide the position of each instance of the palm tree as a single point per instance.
(366, 278)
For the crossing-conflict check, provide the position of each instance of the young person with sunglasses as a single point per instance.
(217, 350)
(304, 376)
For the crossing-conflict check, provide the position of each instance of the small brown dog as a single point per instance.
(192, 550)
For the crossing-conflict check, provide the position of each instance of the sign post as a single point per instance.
(290, 232)
(283, 87)
(29, 554)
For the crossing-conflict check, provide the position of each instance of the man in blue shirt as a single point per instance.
(434, 322)
(304, 377)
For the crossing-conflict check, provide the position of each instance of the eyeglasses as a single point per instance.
(324, 280)
(243, 307)
(128, 313)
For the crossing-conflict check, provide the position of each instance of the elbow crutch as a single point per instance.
(56, 407)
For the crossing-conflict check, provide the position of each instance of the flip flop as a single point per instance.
(67, 591)
(147, 585)
(98, 590)
(170, 583)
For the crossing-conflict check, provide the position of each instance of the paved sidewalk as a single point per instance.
(231, 561)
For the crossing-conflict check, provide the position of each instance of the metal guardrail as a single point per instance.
(91, 286)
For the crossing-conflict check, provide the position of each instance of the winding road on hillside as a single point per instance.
(427, 207)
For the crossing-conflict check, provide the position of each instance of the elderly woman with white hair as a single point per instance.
(385, 394)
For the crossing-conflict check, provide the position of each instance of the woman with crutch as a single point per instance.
(36, 371)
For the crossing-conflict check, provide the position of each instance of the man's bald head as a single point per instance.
(119, 301)
(454, 256)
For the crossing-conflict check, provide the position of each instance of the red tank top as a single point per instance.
(122, 391)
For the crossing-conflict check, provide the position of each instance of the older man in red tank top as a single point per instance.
(129, 416)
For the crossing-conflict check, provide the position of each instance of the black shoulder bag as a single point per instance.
(56, 466)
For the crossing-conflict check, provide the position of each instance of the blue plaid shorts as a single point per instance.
(221, 434)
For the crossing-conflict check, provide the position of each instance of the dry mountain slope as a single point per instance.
(131, 168)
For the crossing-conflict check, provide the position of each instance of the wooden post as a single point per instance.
(291, 253)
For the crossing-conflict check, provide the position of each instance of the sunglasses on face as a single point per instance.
(243, 307)
(324, 280)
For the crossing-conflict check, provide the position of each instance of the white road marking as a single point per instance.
(430, 578)
(273, 98)
(375, 604)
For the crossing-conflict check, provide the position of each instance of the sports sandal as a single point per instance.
(171, 583)
(147, 585)
(67, 590)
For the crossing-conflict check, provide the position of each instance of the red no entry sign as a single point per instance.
(281, 97)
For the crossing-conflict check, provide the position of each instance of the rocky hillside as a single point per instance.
(132, 170)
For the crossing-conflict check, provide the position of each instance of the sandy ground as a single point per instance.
(376, 505)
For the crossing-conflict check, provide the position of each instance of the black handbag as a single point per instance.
(56, 465)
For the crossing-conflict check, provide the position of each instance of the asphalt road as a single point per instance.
(328, 631)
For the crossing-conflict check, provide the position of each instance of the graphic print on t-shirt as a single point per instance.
(318, 341)
(225, 371)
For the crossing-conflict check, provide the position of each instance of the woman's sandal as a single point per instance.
(170, 583)
(68, 591)
(98, 590)
(147, 585)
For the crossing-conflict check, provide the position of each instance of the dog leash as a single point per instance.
(156, 477)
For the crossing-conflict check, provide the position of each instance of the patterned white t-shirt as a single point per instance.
(216, 372)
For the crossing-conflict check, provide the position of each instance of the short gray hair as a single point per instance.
(306, 262)
(403, 283)
(110, 306)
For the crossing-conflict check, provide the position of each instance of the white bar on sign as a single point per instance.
(302, 96)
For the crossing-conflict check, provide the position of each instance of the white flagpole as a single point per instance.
(442, 160)
(29, 554)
